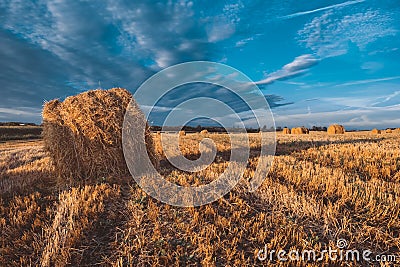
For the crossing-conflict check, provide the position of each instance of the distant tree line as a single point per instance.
(216, 129)
(13, 123)
(199, 128)
(314, 128)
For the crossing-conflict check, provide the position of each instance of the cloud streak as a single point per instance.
(368, 81)
(297, 67)
(348, 3)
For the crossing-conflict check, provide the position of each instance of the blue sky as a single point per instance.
(317, 62)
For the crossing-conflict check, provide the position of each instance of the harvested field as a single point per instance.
(321, 188)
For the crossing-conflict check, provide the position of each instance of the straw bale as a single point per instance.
(336, 129)
(83, 134)
(286, 131)
(300, 130)
(376, 131)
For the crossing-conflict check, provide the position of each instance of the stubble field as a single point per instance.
(321, 188)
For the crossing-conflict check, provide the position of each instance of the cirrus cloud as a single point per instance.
(297, 67)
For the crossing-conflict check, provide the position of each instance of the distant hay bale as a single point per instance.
(376, 131)
(286, 131)
(83, 134)
(182, 133)
(388, 131)
(204, 132)
(300, 130)
(336, 129)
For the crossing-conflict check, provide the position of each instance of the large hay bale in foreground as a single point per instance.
(376, 131)
(84, 134)
(286, 131)
(336, 129)
(300, 130)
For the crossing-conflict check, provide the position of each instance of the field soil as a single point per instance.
(321, 188)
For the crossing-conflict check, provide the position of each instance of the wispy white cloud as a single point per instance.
(367, 81)
(367, 101)
(21, 114)
(148, 109)
(372, 66)
(353, 102)
(220, 30)
(384, 100)
(329, 34)
(297, 14)
(385, 50)
(243, 42)
(223, 26)
(297, 67)
(16, 111)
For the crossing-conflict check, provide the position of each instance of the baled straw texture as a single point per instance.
(182, 133)
(83, 135)
(300, 130)
(204, 132)
(286, 131)
(376, 131)
(336, 129)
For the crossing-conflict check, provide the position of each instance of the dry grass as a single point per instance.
(321, 188)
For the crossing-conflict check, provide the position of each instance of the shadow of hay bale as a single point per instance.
(83, 135)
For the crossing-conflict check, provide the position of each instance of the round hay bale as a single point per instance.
(388, 131)
(336, 129)
(204, 132)
(286, 130)
(376, 131)
(300, 130)
(83, 135)
(182, 133)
